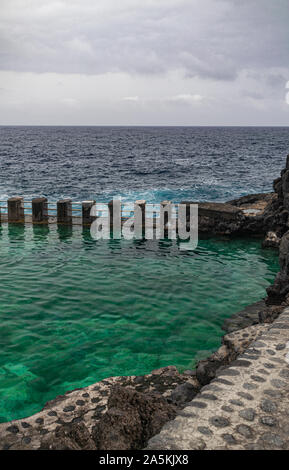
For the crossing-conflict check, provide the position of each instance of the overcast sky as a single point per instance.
(144, 62)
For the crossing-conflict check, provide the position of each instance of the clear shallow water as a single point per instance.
(175, 163)
(74, 311)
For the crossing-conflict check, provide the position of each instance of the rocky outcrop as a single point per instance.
(121, 404)
(185, 392)
(256, 201)
(244, 318)
(279, 291)
(253, 314)
(72, 436)
(257, 210)
(207, 368)
(233, 344)
(255, 215)
(219, 218)
(131, 419)
(272, 240)
(262, 214)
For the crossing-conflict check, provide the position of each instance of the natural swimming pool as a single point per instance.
(74, 310)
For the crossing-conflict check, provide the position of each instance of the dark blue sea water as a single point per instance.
(152, 163)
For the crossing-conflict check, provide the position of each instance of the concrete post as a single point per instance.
(87, 218)
(139, 217)
(188, 204)
(15, 209)
(40, 210)
(64, 211)
(164, 213)
(114, 214)
(110, 213)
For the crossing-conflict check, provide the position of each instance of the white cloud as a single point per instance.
(186, 98)
(131, 98)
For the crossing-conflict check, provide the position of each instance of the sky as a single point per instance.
(149, 62)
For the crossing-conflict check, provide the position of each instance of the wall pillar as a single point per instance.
(165, 208)
(15, 209)
(139, 218)
(87, 218)
(64, 211)
(114, 214)
(40, 210)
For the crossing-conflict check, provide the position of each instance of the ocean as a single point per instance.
(151, 163)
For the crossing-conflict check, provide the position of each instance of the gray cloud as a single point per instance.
(212, 39)
(149, 62)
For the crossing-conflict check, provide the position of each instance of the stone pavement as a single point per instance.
(245, 407)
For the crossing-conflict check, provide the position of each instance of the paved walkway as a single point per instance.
(245, 407)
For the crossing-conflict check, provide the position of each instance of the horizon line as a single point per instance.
(147, 125)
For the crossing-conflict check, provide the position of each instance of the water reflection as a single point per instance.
(41, 232)
(65, 233)
(16, 232)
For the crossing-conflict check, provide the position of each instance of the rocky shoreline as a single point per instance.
(121, 412)
(126, 412)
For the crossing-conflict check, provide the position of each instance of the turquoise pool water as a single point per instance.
(74, 310)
